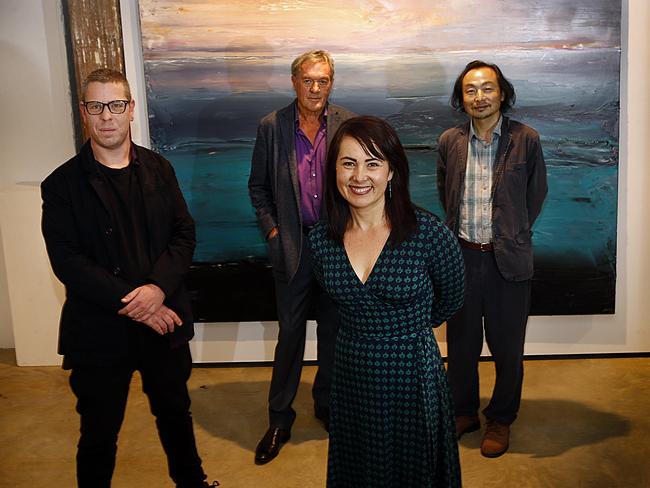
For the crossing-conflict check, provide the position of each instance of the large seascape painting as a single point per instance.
(214, 68)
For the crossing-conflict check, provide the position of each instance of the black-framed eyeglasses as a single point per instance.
(114, 106)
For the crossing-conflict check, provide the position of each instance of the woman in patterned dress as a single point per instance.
(396, 272)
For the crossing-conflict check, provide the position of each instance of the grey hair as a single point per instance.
(317, 56)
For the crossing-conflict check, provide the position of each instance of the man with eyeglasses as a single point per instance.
(286, 189)
(120, 238)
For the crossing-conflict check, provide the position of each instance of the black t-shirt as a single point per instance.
(130, 225)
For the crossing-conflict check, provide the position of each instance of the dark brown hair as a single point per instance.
(508, 91)
(378, 139)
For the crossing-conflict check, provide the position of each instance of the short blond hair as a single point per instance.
(317, 56)
(105, 75)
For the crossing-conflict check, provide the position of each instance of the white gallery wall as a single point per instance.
(37, 135)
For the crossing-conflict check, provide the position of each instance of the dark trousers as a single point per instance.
(295, 300)
(500, 308)
(102, 391)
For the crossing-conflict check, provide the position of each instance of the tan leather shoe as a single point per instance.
(466, 424)
(496, 439)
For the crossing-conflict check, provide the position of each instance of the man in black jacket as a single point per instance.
(492, 183)
(120, 238)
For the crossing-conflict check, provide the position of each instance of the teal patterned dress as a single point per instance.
(391, 415)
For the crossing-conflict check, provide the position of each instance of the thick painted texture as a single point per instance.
(213, 71)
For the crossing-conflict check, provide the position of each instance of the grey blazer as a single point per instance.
(274, 187)
(518, 191)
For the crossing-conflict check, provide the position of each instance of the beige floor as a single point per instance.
(583, 423)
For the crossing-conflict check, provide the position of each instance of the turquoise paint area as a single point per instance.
(569, 96)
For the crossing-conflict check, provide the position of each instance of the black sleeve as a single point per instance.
(172, 265)
(77, 271)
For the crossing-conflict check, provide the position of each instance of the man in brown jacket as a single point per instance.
(492, 183)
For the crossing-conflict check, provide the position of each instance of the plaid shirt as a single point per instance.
(475, 223)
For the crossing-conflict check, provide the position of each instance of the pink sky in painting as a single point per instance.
(370, 26)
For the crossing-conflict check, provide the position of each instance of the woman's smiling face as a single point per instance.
(361, 178)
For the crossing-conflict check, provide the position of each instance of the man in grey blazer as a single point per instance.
(492, 183)
(286, 189)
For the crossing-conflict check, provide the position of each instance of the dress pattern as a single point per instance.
(391, 414)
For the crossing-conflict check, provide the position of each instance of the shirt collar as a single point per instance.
(496, 130)
(297, 117)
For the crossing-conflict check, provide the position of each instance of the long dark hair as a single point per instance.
(508, 91)
(378, 139)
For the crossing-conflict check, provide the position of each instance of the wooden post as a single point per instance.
(94, 40)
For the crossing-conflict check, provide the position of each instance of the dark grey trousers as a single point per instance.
(296, 301)
(500, 308)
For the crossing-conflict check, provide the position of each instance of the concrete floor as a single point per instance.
(583, 423)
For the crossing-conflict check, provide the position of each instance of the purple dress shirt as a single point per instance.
(310, 160)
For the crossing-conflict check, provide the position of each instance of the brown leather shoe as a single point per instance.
(496, 439)
(466, 424)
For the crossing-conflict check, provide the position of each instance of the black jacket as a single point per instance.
(518, 191)
(77, 227)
